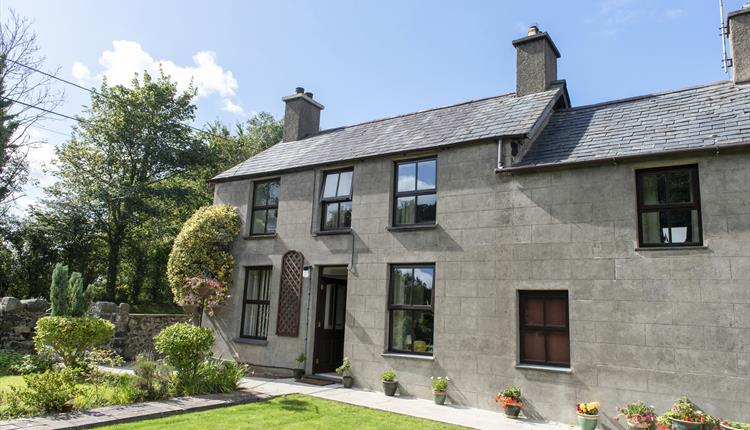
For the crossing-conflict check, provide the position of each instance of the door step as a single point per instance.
(328, 376)
(313, 380)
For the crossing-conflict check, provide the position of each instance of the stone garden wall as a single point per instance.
(134, 333)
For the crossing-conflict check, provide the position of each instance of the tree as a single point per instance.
(58, 293)
(122, 156)
(22, 92)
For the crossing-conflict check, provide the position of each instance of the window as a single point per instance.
(255, 303)
(415, 195)
(265, 207)
(543, 323)
(336, 200)
(410, 308)
(669, 209)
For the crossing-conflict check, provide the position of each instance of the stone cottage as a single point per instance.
(583, 253)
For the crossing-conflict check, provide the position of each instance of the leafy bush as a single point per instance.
(8, 360)
(683, 409)
(67, 294)
(388, 376)
(49, 391)
(71, 337)
(152, 378)
(185, 347)
(218, 376)
(80, 298)
(104, 357)
(346, 367)
(440, 384)
(33, 363)
(204, 243)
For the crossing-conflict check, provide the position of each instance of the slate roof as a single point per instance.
(712, 115)
(504, 115)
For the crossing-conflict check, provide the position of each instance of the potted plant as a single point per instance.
(588, 415)
(734, 425)
(299, 372)
(346, 373)
(510, 400)
(638, 415)
(439, 389)
(685, 416)
(389, 382)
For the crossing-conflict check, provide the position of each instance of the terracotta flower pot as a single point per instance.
(587, 422)
(512, 410)
(439, 397)
(687, 425)
(389, 388)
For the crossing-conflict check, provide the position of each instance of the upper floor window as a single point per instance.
(336, 200)
(410, 307)
(669, 209)
(543, 324)
(265, 207)
(416, 192)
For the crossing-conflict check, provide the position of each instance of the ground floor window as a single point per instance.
(410, 308)
(544, 330)
(256, 304)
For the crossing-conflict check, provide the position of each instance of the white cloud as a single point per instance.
(128, 57)
(231, 107)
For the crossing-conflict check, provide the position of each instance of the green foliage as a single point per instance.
(346, 367)
(80, 298)
(683, 409)
(153, 379)
(33, 363)
(218, 376)
(204, 245)
(12, 166)
(71, 337)
(104, 357)
(8, 361)
(301, 359)
(736, 425)
(440, 383)
(388, 376)
(512, 392)
(59, 290)
(50, 391)
(185, 348)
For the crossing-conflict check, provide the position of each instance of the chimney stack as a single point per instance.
(536, 62)
(738, 25)
(301, 116)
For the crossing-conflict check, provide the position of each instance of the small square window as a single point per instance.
(543, 328)
(415, 199)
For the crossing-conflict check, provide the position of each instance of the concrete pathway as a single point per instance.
(420, 408)
(255, 389)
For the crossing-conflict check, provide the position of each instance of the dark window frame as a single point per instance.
(695, 204)
(246, 301)
(397, 194)
(544, 329)
(394, 307)
(325, 201)
(255, 207)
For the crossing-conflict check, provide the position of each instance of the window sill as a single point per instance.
(259, 236)
(412, 227)
(672, 248)
(332, 232)
(408, 356)
(248, 341)
(552, 369)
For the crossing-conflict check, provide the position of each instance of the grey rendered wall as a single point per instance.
(649, 325)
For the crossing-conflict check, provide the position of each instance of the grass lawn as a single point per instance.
(287, 412)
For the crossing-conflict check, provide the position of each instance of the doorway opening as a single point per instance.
(330, 320)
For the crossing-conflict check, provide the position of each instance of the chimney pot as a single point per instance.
(301, 115)
(533, 29)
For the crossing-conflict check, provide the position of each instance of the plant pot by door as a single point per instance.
(298, 374)
(587, 422)
(512, 410)
(389, 387)
(687, 425)
(439, 397)
(348, 381)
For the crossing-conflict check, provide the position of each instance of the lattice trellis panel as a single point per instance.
(290, 294)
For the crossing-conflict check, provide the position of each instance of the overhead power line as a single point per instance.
(42, 109)
(92, 92)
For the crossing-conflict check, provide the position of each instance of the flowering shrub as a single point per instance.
(639, 414)
(199, 288)
(736, 425)
(591, 408)
(510, 396)
(685, 410)
(440, 384)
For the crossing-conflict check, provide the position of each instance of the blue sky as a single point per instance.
(366, 60)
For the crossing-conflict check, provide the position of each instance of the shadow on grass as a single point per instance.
(297, 405)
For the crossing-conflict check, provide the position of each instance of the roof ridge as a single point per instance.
(641, 97)
(329, 130)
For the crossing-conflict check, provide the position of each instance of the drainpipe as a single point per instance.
(309, 270)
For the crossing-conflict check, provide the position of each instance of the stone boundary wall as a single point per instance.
(134, 333)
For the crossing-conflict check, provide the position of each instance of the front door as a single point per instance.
(329, 323)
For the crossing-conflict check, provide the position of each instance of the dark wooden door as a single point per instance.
(330, 319)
